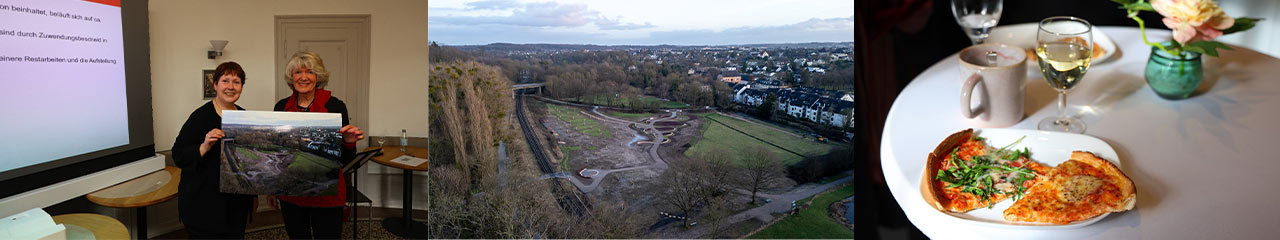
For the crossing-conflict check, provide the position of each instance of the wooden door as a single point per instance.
(342, 41)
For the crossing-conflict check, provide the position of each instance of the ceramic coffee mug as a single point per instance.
(995, 76)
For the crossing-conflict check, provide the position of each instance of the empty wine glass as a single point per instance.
(381, 141)
(1064, 46)
(977, 17)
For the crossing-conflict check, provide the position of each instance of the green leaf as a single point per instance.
(1125, 2)
(1242, 24)
(1139, 6)
(1205, 47)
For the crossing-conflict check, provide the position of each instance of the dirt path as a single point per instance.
(657, 162)
(781, 204)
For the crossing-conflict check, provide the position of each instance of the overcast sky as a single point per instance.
(282, 118)
(640, 22)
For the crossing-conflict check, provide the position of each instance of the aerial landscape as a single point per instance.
(275, 153)
(647, 139)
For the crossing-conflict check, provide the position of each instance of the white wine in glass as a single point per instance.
(1063, 63)
(1064, 47)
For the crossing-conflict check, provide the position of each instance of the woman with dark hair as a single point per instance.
(206, 212)
(320, 217)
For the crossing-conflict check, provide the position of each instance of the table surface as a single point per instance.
(103, 227)
(393, 152)
(143, 191)
(1203, 166)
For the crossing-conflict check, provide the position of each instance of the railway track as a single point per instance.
(570, 200)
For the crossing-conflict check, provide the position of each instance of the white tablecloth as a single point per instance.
(1206, 167)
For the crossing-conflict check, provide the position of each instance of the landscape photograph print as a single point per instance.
(640, 119)
(280, 153)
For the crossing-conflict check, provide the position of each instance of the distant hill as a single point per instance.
(561, 47)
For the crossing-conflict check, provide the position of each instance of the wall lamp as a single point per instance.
(217, 48)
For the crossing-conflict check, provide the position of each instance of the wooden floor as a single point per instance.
(264, 222)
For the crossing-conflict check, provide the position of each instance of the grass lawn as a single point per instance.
(812, 222)
(717, 135)
(307, 162)
(613, 101)
(627, 115)
(568, 153)
(247, 153)
(579, 122)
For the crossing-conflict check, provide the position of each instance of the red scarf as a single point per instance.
(317, 105)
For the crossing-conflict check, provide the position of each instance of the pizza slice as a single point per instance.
(966, 173)
(1084, 187)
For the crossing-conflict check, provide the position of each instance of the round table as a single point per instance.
(102, 227)
(403, 226)
(1203, 166)
(139, 193)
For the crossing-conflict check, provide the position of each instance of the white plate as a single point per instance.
(1049, 148)
(1024, 36)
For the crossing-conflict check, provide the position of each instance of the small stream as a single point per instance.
(848, 214)
(635, 139)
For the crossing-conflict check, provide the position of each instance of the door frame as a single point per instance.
(359, 89)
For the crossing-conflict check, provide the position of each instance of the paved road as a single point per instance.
(781, 204)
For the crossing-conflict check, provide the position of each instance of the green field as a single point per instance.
(305, 162)
(627, 115)
(569, 151)
(716, 135)
(248, 153)
(579, 122)
(614, 101)
(812, 222)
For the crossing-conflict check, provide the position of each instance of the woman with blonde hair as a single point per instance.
(320, 217)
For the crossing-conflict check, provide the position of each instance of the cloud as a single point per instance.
(543, 14)
(493, 5)
(812, 30)
(282, 118)
(616, 24)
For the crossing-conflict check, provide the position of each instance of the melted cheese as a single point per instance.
(1077, 188)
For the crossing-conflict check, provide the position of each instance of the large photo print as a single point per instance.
(280, 153)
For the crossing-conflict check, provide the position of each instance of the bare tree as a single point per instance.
(717, 210)
(761, 169)
(611, 220)
(682, 185)
(719, 171)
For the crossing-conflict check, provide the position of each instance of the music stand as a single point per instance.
(359, 160)
(354, 196)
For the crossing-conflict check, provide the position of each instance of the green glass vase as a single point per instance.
(1174, 77)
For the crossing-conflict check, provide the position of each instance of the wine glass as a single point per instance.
(1064, 46)
(381, 140)
(977, 17)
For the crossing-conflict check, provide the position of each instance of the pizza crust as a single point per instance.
(935, 193)
(1127, 189)
(946, 199)
(1069, 194)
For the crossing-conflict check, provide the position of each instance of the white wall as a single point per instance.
(180, 34)
(1262, 37)
(181, 30)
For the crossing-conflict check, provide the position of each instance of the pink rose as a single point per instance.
(1193, 20)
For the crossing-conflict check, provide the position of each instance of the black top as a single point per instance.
(199, 202)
